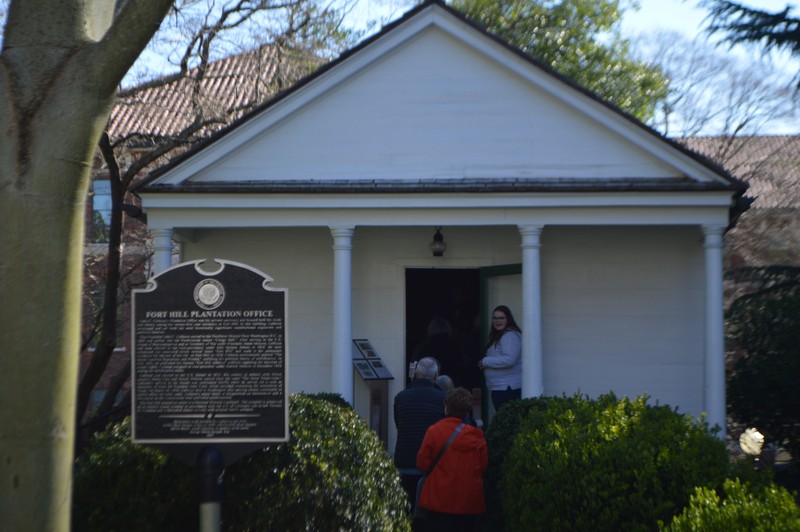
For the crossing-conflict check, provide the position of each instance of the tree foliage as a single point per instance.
(580, 39)
(748, 25)
(764, 329)
(740, 506)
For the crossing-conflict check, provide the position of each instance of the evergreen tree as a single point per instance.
(742, 24)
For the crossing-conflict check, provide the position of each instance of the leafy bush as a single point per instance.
(763, 326)
(333, 474)
(741, 507)
(500, 435)
(331, 397)
(121, 486)
(606, 464)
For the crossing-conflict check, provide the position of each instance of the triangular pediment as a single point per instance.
(435, 100)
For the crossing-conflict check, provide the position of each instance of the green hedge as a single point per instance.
(500, 435)
(120, 486)
(742, 506)
(606, 464)
(333, 474)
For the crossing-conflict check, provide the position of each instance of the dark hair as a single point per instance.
(511, 325)
(439, 325)
(458, 402)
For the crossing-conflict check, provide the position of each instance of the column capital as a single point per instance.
(342, 231)
(162, 249)
(162, 232)
(713, 235)
(342, 237)
(531, 235)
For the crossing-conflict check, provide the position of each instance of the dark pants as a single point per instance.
(409, 483)
(501, 397)
(440, 522)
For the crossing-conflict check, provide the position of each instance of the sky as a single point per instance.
(680, 15)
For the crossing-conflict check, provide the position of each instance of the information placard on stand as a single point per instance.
(367, 362)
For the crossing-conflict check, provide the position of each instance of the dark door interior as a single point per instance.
(453, 294)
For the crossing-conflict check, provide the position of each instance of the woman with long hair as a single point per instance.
(502, 365)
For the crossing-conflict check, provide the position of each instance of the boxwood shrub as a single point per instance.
(739, 506)
(606, 464)
(120, 486)
(500, 435)
(333, 474)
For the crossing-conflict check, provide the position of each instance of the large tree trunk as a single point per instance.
(44, 183)
(56, 87)
(41, 283)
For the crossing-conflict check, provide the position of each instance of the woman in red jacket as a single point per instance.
(453, 492)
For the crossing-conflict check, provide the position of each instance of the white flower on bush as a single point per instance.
(751, 441)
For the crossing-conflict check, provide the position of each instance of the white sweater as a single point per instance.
(503, 362)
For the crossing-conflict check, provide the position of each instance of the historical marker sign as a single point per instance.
(210, 357)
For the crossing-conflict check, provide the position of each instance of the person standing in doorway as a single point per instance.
(415, 409)
(502, 365)
(441, 345)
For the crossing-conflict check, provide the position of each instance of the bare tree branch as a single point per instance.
(249, 78)
(711, 93)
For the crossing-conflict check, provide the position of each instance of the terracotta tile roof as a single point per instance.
(231, 87)
(769, 164)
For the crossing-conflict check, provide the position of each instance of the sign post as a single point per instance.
(210, 367)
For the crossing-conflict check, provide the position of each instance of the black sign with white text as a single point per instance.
(210, 357)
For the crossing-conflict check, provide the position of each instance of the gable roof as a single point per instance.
(692, 164)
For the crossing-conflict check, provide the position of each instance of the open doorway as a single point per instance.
(453, 294)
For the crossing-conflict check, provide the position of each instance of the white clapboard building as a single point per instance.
(604, 238)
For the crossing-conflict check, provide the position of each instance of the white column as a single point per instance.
(532, 366)
(341, 360)
(714, 380)
(162, 249)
